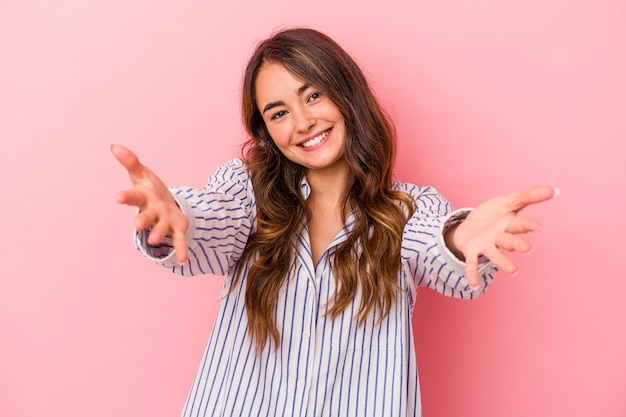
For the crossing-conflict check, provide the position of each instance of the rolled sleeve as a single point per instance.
(220, 218)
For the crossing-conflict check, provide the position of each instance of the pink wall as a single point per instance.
(489, 96)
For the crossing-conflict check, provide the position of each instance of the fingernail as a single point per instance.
(556, 192)
(514, 274)
(474, 287)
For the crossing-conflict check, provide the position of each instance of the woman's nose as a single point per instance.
(304, 121)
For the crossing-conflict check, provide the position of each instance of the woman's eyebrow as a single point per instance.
(270, 106)
(303, 88)
(273, 104)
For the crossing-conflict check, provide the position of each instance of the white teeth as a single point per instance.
(317, 139)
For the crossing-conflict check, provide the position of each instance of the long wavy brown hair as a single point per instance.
(369, 259)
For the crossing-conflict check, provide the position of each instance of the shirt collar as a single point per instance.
(305, 188)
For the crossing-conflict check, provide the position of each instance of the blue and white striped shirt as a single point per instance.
(323, 366)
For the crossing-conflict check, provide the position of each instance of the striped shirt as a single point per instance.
(323, 366)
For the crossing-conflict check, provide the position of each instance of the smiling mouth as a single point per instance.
(317, 139)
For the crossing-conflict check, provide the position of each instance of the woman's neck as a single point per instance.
(329, 186)
(328, 190)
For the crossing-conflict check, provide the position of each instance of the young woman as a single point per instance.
(321, 249)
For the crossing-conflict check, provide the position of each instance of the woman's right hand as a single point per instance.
(157, 207)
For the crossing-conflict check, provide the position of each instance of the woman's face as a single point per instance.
(306, 125)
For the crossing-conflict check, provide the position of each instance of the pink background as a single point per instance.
(489, 96)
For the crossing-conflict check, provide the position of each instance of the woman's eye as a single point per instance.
(278, 115)
(314, 96)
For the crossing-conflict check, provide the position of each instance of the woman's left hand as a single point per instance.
(494, 226)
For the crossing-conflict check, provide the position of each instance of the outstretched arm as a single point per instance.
(157, 207)
(494, 226)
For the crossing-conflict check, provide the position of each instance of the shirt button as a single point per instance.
(301, 383)
(306, 334)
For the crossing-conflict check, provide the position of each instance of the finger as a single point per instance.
(513, 243)
(128, 159)
(501, 261)
(180, 245)
(529, 196)
(131, 198)
(471, 271)
(145, 219)
(158, 233)
(523, 225)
